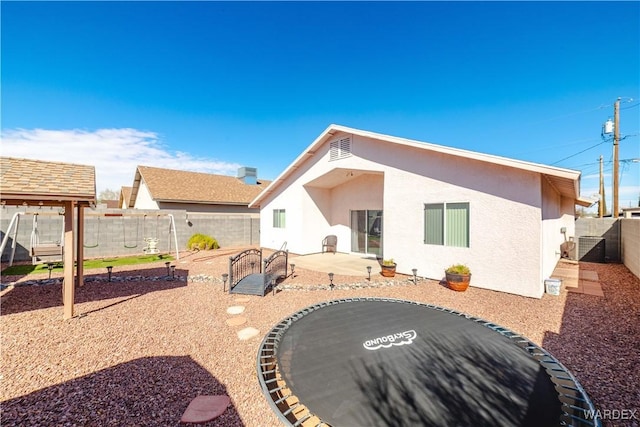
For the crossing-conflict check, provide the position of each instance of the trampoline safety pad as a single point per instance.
(386, 362)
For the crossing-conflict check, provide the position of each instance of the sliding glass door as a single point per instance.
(366, 232)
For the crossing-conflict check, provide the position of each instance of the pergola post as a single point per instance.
(68, 285)
(80, 241)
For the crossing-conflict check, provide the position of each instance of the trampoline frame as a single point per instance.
(574, 400)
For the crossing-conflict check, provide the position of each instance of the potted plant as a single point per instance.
(388, 268)
(458, 277)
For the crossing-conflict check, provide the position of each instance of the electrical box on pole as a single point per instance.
(608, 127)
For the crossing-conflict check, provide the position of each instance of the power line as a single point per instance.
(555, 146)
(579, 152)
(571, 114)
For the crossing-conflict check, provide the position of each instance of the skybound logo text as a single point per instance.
(400, 338)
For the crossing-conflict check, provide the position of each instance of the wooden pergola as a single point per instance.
(36, 184)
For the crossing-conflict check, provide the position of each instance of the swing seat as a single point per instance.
(152, 246)
(46, 249)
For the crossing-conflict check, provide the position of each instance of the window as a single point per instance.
(446, 224)
(340, 148)
(278, 218)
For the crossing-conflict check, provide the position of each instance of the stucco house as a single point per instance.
(159, 188)
(426, 206)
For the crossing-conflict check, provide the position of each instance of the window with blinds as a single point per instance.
(340, 148)
(278, 218)
(446, 224)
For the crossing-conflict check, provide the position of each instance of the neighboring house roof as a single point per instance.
(565, 181)
(28, 180)
(168, 185)
(125, 196)
(111, 204)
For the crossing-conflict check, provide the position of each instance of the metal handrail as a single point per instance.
(275, 267)
(244, 264)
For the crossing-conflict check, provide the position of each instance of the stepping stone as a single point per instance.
(235, 309)
(589, 275)
(248, 333)
(242, 299)
(236, 321)
(205, 408)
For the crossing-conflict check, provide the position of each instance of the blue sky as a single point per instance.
(211, 86)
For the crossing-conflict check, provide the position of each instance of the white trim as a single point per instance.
(333, 129)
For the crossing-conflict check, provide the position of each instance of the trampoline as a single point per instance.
(388, 362)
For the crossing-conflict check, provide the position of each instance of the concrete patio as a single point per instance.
(337, 263)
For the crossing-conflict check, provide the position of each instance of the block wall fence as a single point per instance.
(622, 238)
(109, 236)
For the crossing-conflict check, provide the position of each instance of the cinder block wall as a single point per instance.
(630, 233)
(609, 228)
(108, 236)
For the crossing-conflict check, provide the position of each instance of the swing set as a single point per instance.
(52, 251)
(151, 243)
(40, 251)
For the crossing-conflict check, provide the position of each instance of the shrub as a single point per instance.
(458, 269)
(201, 241)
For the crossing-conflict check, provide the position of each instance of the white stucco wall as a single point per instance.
(557, 212)
(315, 210)
(362, 193)
(504, 217)
(506, 227)
(143, 199)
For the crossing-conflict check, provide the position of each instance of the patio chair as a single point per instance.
(329, 244)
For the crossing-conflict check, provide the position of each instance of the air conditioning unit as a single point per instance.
(591, 249)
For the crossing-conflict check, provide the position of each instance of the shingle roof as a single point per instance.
(36, 179)
(125, 196)
(168, 185)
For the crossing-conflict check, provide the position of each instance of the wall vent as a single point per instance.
(340, 148)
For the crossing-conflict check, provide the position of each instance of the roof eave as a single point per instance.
(202, 202)
(333, 129)
(134, 189)
(17, 199)
(587, 203)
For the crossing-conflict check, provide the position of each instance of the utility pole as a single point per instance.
(616, 142)
(602, 207)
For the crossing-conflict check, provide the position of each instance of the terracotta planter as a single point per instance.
(388, 270)
(458, 282)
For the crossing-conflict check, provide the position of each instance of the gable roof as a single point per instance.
(169, 185)
(125, 196)
(26, 180)
(565, 181)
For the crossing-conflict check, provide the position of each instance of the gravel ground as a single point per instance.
(140, 349)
